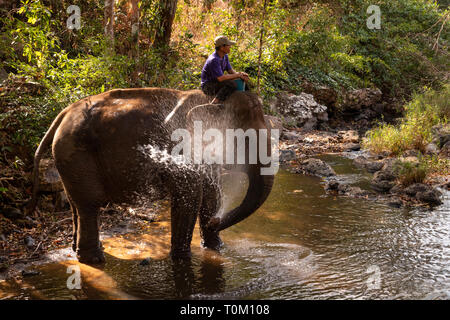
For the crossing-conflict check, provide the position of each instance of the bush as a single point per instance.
(410, 172)
(414, 131)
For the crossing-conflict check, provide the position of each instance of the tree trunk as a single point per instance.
(134, 18)
(108, 23)
(261, 38)
(164, 29)
(207, 5)
(239, 9)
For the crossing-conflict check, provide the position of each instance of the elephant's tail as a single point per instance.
(43, 146)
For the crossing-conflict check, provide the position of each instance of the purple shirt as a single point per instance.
(214, 67)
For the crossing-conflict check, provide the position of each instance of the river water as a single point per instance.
(301, 244)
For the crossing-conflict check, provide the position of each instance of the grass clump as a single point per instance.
(414, 131)
(411, 172)
(426, 167)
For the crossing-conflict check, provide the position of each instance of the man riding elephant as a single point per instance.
(112, 148)
(214, 81)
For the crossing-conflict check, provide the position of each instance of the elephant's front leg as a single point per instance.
(185, 203)
(211, 204)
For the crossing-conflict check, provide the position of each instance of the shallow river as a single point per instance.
(302, 244)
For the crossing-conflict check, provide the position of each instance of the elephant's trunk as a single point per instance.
(259, 188)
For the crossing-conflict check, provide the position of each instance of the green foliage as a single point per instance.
(414, 131)
(411, 172)
(323, 42)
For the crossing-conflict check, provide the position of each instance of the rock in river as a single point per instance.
(287, 155)
(382, 181)
(317, 167)
(431, 197)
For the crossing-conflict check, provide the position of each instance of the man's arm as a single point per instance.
(233, 75)
(229, 76)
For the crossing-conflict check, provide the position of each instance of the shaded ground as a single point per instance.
(29, 239)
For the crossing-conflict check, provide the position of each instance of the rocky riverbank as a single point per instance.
(308, 132)
(299, 153)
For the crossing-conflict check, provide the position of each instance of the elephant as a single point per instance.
(96, 144)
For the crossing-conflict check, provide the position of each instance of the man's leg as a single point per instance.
(211, 89)
(221, 90)
(226, 88)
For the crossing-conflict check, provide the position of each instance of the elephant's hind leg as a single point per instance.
(83, 185)
(73, 208)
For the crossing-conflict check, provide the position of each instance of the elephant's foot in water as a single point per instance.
(74, 244)
(180, 254)
(91, 256)
(212, 241)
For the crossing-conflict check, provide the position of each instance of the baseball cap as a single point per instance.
(222, 40)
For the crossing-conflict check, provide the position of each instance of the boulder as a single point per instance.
(317, 167)
(345, 189)
(413, 189)
(300, 110)
(371, 166)
(444, 139)
(332, 185)
(397, 189)
(431, 197)
(287, 155)
(273, 122)
(352, 147)
(431, 148)
(356, 100)
(350, 136)
(322, 94)
(382, 181)
(374, 166)
(445, 150)
(290, 135)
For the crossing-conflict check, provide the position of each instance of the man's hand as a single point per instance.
(244, 76)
